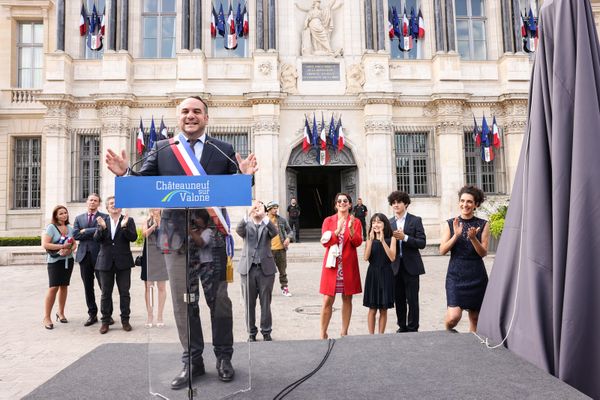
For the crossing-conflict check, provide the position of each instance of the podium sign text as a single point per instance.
(183, 191)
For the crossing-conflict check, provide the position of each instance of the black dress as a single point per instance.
(379, 284)
(467, 278)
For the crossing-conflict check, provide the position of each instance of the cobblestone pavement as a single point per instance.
(30, 354)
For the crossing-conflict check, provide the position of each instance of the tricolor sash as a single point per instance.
(191, 166)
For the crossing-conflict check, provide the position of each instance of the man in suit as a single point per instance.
(280, 244)
(216, 158)
(115, 233)
(409, 232)
(257, 268)
(85, 226)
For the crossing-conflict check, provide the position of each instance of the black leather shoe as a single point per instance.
(111, 321)
(126, 326)
(181, 380)
(251, 338)
(225, 370)
(267, 337)
(91, 321)
(401, 330)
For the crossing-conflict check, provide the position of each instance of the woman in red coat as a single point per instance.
(341, 234)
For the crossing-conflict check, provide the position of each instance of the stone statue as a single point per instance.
(318, 25)
(355, 78)
(288, 77)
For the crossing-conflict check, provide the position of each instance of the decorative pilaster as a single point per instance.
(448, 112)
(265, 77)
(56, 149)
(376, 175)
(376, 72)
(269, 183)
(113, 114)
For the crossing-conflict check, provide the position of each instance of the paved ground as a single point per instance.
(30, 354)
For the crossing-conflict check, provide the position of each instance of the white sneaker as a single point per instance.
(285, 291)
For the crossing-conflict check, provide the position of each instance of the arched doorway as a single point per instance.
(315, 185)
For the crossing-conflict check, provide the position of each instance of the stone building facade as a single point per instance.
(407, 117)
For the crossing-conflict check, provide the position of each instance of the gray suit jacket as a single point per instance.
(257, 237)
(86, 239)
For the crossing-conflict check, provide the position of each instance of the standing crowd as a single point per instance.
(198, 254)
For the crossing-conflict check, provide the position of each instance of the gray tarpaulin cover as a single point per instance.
(549, 253)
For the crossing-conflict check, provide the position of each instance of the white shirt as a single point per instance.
(113, 227)
(199, 146)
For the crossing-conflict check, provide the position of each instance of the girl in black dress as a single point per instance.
(466, 236)
(380, 251)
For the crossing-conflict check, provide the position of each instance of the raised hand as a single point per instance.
(249, 165)
(124, 220)
(101, 223)
(458, 226)
(472, 232)
(116, 163)
(372, 234)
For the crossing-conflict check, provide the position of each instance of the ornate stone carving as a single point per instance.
(355, 78)
(378, 126)
(265, 126)
(288, 78)
(378, 69)
(430, 110)
(300, 158)
(265, 68)
(318, 25)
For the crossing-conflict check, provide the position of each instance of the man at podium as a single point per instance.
(192, 152)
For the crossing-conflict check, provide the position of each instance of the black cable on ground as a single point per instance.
(289, 388)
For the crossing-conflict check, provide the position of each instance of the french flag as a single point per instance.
(102, 24)
(245, 22)
(340, 135)
(404, 24)
(421, 25)
(82, 25)
(323, 133)
(390, 23)
(139, 143)
(162, 131)
(306, 138)
(496, 133)
(213, 23)
(231, 42)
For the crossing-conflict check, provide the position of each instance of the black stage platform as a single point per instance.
(426, 365)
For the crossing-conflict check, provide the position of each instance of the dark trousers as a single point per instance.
(406, 293)
(280, 258)
(123, 279)
(295, 225)
(86, 268)
(364, 227)
(214, 284)
(258, 285)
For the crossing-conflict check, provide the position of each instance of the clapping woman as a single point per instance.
(154, 269)
(341, 235)
(466, 237)
(60, 245)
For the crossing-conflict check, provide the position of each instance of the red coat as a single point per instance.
(352, 282)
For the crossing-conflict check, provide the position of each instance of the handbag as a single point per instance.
(138, 261)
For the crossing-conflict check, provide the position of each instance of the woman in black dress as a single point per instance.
(466, 236)
(380, 251)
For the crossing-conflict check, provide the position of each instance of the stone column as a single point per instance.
(447, 111)
(381, 25)
(60, 25)
(450, 33)
(185, 24)
(376, 177)
(260, 26)
(440, 31)
(269, 182)
(124, 13)
(112, 25)
(272, 12)
(513, 122)
(56, 150)
(197, 24)
(368, 13)
(113, 115)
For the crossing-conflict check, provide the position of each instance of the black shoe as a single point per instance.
(267, 337)
(62, 320)
(111, 321)
(401, 330)
(91, 321)
(181, 380)
(126, 326)
(225, 370)
(252, 338)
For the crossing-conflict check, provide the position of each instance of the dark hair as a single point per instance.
(341, 194)
(201, 100)
(400, 197)
(55, 214)
(474, 191)
(201, 214)
(95, 195)
(387, 227)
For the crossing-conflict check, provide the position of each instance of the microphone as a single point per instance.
(208, 141)
(141, 160)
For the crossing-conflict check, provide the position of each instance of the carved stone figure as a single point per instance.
(288, 77)
(355, 78)
(318, 25)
